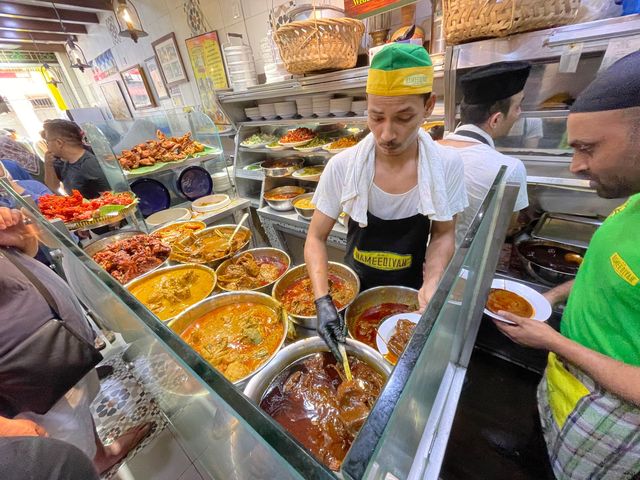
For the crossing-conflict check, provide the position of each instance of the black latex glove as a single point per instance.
(330, 325)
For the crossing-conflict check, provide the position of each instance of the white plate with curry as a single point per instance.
(387, 330)
(516, 298)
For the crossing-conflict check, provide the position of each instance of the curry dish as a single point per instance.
(314, 402)
(365, 326)
(298, 297)
(236, 339)
(210, 246)
(399, 339)
(177, 231)
(170, 293)
(304, 204)
(248, 272)
(507, 301)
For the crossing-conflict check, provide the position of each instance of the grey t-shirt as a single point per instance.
(85, 175)
(23, 309)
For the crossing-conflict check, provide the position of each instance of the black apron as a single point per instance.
(388, 252)
(474, 135)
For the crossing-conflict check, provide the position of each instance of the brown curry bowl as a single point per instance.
(300, 271)
(183, 321)
(205, 232)
(376, 296)
(269, 252)
(284, 204)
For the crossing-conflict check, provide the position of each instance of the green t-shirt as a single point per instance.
(603, 311)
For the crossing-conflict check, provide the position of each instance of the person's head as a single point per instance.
(604, 130)
(492, 96)
(399, 96)
(63, 137)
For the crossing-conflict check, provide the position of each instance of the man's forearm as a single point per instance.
(50, 178)
(560, 293)
(439, 253)
(316, 258)
(616, 377)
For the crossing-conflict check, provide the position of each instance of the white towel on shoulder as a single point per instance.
(432, 184)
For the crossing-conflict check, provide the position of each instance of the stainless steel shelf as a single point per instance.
(287, 151)
(293, 218)
(257, 175)
(302, 121)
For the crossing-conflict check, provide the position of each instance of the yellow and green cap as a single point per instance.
(400, 69)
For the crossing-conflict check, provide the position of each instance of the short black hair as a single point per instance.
(479, 114)
(66, 129)
(425, 97)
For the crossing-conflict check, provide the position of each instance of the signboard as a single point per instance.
(366, 8)
(208, 69)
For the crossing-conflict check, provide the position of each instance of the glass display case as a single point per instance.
(110, 138)
(228, 436)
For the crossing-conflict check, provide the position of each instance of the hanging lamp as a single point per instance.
(74, 52)
(128, 20)
(45, 68)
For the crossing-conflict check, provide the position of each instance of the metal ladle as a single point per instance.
(242, 220)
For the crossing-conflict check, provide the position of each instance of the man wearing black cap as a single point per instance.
(589, 397)
(490, 106)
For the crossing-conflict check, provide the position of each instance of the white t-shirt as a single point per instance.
(387, 206)
(481, 165)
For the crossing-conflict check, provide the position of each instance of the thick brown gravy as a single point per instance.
(550, 257)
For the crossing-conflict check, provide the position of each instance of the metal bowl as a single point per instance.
(168, 225)
(208, 231)
(193, 313)
(162, 271)
(544, 273)
(261, 381)
(300, 271)
(283, 205)
(305, 12)
(258, 252)
(271, 168)
(303, 212)
(376, 296)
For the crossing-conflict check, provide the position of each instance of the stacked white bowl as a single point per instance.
(358, 107)
(268, 111)
(320, 104)
(285, 109)
(242, 71)
(221, 181)
(340, 106)
(253, 113)
(305, 106)
(274, 69)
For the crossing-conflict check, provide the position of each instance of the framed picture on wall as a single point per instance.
(116, 102)
(156, 78)
(169, 60)
(135, 81)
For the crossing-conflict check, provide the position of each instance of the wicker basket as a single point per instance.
(319, 44)
(475, 19)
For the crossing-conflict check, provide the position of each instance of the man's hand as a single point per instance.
(425, 294)
(49, 158)
(528, 332)
(14, 232)
(330, 325)
(20, 428)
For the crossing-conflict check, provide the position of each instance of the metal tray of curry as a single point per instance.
(294, 291)
(169, 291)
(209, 246)
(253, 270)
(237, 333)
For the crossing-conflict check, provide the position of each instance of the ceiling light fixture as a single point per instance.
(45, 68)
(128, 20)
(74, 52)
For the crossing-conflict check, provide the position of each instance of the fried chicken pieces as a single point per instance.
(164, 149)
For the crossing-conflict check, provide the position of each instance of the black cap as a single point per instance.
(616, 88)
(497, 81)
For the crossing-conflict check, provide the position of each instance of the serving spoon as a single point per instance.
(345, 362)
(242, 220)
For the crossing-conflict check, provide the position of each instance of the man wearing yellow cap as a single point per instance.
(399, 188)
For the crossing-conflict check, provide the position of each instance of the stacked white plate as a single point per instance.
(285, 109)
(268, 111)
(359, 107)
(340, 106)
(242, 71)
(305, 106)
(221, 182)
(253, 113)
(320, 104)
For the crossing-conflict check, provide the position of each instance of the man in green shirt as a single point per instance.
(589, 397)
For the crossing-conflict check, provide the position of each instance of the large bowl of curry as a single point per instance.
(294, 291)
(256, 269)
(210, 246)
(169, 291)
(306, 391)
(237, 333)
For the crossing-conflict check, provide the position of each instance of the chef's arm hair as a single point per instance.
(441, 248)
(559, 293)
(614, 376)
(315, 252)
